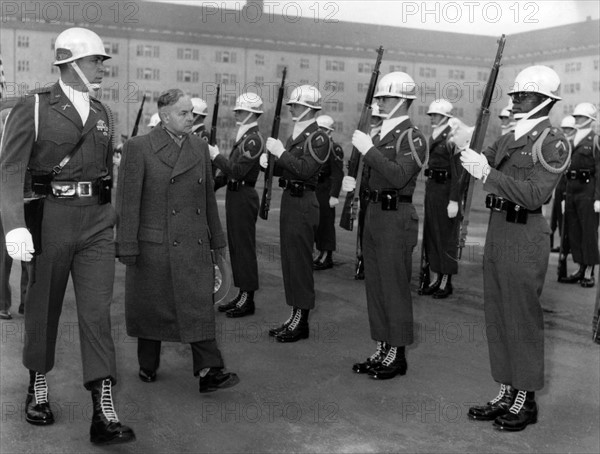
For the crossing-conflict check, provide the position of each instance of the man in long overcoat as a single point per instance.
(168, 227)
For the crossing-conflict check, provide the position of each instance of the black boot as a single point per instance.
(106, 428)
(524, 411)
(244, 306)
(575, 277)
(37, 407)
(275, 331)
(498, 406)
(372, 361)
(319, 257)
(231, 304)
(297, 329)
(587, 280)
(325, 264)
(216, 379)
(445, 288)
(433, 287)
(359, 272)
(393, 364)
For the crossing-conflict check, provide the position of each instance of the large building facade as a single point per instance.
(157, 46)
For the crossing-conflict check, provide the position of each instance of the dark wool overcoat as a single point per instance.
(168, 220)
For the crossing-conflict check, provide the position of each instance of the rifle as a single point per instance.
(481, 124)
(355, 165)
(561, 270)
(139, 117)
(425, 272)
(213, 127)
(265, 202)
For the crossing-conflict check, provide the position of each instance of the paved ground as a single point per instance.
(303, 397)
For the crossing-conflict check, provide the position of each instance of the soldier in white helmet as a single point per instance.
(62, 136)
(328, 193)
(394, 159)
(298, 163)
(520, 171)
(200, 112)
(582, 203)
(240, 173)
(442, 223)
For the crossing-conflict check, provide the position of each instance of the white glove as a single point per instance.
(275, 147)
(19, 244)
(596, 206)
(562, 206)
(263, 160)
(452, 209)
(475, 163)
(461, 134)
(117, 159)
(333, 201)
(348, 184)
(362, 142)
(213, 150)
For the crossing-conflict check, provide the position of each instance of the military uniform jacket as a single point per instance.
(298, 163)
(168, 219)
(389, 169)
(243, 163)
(59, 130)
(442, 156)
(332, 172)
(586, 157)
(515, 177)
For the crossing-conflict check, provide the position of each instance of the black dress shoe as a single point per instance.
(587, 282)
(216, 379)
(230, 305)
(21, 308)
(433, 287)
(572, 278)
(524, 411)
(37, 407)
(293, 334)
(324, 265)
(496, 407)
(555, 249)
(147, 376)
(5, 315)
(106, 428)
(442, 293)
(392, 365)
(241, 310)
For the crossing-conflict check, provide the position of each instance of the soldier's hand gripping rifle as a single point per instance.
(468, 181)
(355, 165)
(215, 116)
(139, 117)
(265, 202)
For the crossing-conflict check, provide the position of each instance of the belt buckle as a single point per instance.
(63, 189)
(84, 189)
(497, 204)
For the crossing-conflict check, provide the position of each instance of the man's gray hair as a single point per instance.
(169, 97)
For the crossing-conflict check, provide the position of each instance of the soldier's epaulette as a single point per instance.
(37, 91)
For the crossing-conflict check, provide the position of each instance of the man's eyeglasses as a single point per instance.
(522, 96)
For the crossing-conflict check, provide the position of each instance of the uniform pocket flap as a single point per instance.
(150, 234)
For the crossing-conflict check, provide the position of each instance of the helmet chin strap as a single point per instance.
(443, 121)
(243, 122)
(91, 87)
(395, 109)
(584, 125)
(302, 115)
(536, 109)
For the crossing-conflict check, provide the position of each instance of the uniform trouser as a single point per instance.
(325, 237)
(364, 203)
(389, 240)
(441, 232)
(298, 221)
(76, 240)
(514, 267)
(582, 229)
(241, 212)
(204, 354)
(5, 269)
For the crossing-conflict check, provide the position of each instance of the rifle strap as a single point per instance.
(260, 150)
(413, 150)
(308, 144)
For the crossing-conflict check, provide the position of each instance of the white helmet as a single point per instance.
(441, 107)
(306, 95)
(585, 109)
(325, 121)
(250, 102)
(537, 79)
(75, 43)
(199, 106)
(154, 120)
(568, 122)
(396, 85)
(375, 111)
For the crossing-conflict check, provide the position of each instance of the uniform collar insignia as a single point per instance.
(65, 106)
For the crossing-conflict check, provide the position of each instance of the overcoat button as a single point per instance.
(199, 241)
(200, 181)
(172, 180)
(198, 211)
(175, 243)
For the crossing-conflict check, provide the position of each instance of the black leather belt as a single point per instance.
(234, 185)
(583, 175)
(514, 212)
(295, 185)
(377, 195)
(68, 189)
(438, 175)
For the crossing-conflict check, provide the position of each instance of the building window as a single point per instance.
(187, 76)
(22, 41)
(401, 68)
(225, 56)
(304, 82)
(304, 63)
(572, 88)
(23, 66)
(365, 67)
(279, 71)
(148, 73)
(573, 67)
(482, 76)
(362, 87)
(110, 48)
(456, 74)
(335, 106)
(259, 80)
(145, 50)
(111, 71)
(334, 65)
(596, 64)
(333, 86)
(427, 72)
(188, 54)
(225, 79)
(228, 100)
(259, 60)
